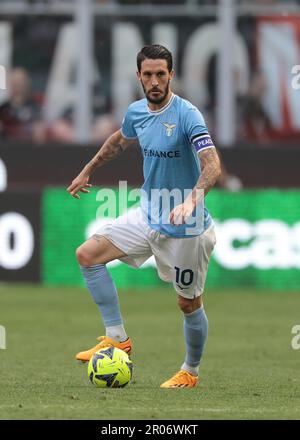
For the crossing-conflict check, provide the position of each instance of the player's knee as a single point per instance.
(83, 257)
(189, 305)
(185, 305)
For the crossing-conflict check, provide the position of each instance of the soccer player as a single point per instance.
(179, 156)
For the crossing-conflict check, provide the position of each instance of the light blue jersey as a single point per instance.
(170, 139)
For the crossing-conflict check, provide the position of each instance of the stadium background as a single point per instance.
(80, 59)
(261, 154)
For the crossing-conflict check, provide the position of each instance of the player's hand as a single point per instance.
(181, 213)
(79, 184)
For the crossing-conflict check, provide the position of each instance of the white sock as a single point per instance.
(192, 370)
(116, 332)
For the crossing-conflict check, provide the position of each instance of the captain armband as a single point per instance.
(202, 141)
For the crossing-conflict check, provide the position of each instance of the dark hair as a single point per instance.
(154, 52)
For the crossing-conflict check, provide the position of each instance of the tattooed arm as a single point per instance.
(111, 148)
(210, 171)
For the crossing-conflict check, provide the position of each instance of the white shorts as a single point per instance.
(181, 261)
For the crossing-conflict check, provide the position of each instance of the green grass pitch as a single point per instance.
(249, 370)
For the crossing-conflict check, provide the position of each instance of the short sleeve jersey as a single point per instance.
(170, 139)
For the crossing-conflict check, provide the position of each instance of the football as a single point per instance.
(110, 368)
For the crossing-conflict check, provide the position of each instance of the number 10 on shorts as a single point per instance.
(184, 277)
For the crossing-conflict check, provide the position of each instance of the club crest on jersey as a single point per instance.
(169, 128)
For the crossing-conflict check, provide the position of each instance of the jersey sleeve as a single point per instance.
(196, 130)
(127, 128)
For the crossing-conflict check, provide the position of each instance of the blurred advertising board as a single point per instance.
(20, 236)
(258, 235)
(258, 238)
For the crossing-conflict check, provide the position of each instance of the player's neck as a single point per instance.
(155, 107)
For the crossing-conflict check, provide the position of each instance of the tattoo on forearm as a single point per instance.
(109, 151)
(111, 148)
(211, 170)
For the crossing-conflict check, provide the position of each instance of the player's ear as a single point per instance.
(138, 75)
(172, 73)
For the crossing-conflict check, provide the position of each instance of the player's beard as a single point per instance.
(159, 99)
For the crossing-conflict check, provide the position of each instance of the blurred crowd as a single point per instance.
(22, 115)
(21, 118)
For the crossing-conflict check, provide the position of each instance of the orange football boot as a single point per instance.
(182, 379)
(85, 356)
